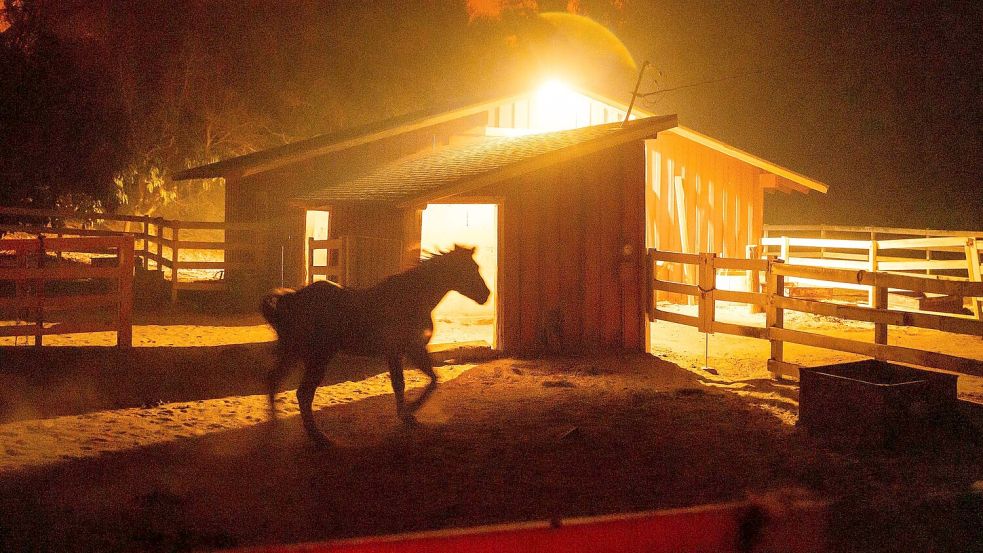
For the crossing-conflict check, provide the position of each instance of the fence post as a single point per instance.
(973, 266)
(707, 283)
(754, 278)
(785, 247)
(649, 299)
(124, 319)
(146, 243)
(160, 246)
(39, 294)
(880, 302)
(175, 256)
(872, 266)
(775, 318)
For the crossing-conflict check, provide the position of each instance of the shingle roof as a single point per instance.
(478, 164)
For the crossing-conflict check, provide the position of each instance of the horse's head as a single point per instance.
(466, 279)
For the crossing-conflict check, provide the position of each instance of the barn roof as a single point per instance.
(458, 169)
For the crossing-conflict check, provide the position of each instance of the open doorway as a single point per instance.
(457, 319)
(317, 228)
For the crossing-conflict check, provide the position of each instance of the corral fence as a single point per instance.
(352, 261)
(946, 255)
(35, 288)
(190, 255)
(773, 300)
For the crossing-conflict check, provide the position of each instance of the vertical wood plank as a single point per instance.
(707, 298)
(633, 268)
(592, 270)
(775, 318)
(549, 276)
(532, 206)
(972, 250)
(175, 256)
(572, 219)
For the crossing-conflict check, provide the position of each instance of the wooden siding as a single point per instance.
(571, 258)
(699, 200)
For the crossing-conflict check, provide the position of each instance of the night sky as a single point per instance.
(880, 100)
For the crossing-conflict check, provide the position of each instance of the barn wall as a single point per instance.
(699, 200)
(571, 255)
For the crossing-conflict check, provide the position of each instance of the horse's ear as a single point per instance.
(465, 248)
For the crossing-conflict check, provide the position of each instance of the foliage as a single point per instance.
(102, 101)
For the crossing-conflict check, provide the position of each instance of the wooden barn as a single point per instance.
(561, 195)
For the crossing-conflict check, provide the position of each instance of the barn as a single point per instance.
(561, 189)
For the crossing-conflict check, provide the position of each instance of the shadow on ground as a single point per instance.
(49, 382)
(511, 440)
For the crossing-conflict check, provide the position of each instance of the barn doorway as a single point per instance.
(317, 228)
(457, 319)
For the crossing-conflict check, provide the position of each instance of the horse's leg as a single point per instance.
(313, 374)
(283, 364)
(420, 358)
(399, 386)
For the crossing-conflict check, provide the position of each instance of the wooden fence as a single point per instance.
(352, 261)
(31, 271)
(774, 301)
(159, 243)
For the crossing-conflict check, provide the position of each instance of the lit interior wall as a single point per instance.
(445, 225)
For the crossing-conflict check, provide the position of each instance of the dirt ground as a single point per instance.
(168, 446)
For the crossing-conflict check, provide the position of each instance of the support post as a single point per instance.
(649, 288)
(754, 278)
(124, 289)
(775, 318)
(880, 302)
(39, 294)
(160, 246)
(872, 267)
(145, 263)
(707, 284)
(175, 256)
(973, 267)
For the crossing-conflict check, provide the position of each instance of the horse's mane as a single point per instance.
(428, 256)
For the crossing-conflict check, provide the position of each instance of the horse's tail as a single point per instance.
(273, 308)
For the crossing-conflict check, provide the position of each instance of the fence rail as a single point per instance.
(31, 271)
(945, 255)
(774, 302)
(158, 241)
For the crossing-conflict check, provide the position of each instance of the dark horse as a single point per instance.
(389, 320)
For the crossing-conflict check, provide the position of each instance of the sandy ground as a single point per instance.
(168, 446)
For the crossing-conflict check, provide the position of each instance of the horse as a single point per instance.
(390, 320)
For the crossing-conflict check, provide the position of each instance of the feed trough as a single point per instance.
(874, 403)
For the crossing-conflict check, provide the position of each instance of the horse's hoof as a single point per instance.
(321, 442)
(409, 419)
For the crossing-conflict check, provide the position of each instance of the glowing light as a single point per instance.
(557, 107)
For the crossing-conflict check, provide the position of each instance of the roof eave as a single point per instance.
(648, 129)
(808, 183)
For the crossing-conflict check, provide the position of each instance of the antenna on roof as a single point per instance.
(634, 93)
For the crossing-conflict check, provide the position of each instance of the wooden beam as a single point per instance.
(930, 359)
(749, 158)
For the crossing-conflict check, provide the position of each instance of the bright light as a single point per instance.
(557, 107)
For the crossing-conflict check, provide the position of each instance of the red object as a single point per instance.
(734, 527)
